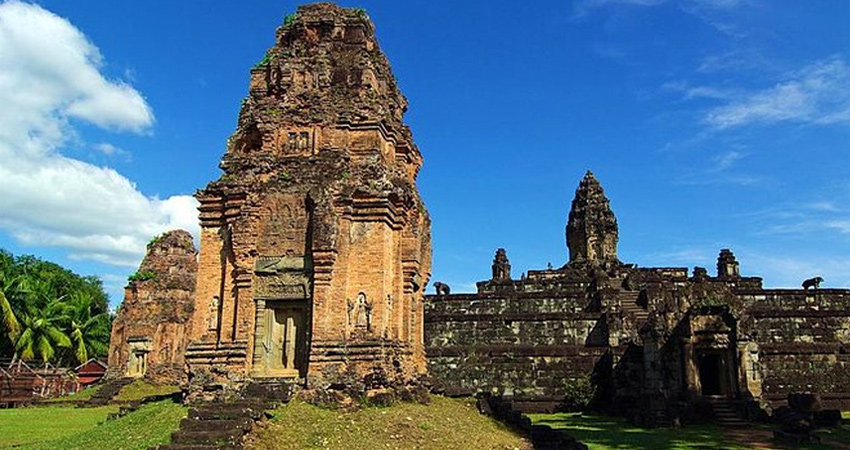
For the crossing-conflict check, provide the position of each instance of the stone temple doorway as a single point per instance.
(284, 340)
(137, 364)
(714, 373)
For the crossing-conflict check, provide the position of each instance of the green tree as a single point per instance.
(41, 333)
(8, 321)
(49, 313)
(10, 328)
(89, 332)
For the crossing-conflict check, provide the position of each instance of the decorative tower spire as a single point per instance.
(592, 232)
(501, 266)
(727, 265)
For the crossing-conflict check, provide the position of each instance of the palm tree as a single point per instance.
(8, 321)
(89, 334)
(41, 333)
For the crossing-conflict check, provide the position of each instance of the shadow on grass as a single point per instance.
(841, 434)
(609, 433)
(602, 433)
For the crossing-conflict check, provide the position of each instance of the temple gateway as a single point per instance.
(315, 251)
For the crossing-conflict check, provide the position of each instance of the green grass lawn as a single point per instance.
(72, 428)
(30, 425)
(445, 424)
(609, 433)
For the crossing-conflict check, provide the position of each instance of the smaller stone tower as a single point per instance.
(151, 330)
(501, 266)
(727, 266)
(592, 231)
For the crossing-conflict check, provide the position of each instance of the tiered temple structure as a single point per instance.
(151, 330)
(315, 251)
(315, 244)
(654, 342)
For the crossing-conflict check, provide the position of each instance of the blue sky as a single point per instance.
(710, 123)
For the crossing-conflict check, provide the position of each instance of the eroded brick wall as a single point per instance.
(155, 317)
(527, 346)
(804, 343)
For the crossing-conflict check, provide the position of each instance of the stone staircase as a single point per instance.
(223, 424)
(726, 412)
(630, 307)
(108, 391)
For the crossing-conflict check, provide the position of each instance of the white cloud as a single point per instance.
(584, 7)
(690, 92)
(719, 171)
(49, 78)
(725, 160)
(789, 271)
(842, 226)
(803, 220)
(109, 149)
(816, 94)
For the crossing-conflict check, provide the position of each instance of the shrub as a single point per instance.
(290, 19)
(142, 276)
(578, 393)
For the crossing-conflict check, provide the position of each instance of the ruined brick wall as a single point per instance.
(154, 320)
(804, 342)
(526, 345)
(317, 209)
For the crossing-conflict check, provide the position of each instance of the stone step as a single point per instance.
(197, 447)
(216, 424)
(108, 391)
(225, 413)
(726, 414)
(217, 437)
(269, 391)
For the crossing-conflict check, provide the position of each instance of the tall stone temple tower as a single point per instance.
(315, 244)
(591, 228)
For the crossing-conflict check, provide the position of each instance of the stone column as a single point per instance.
(691, 381)
(259, 334)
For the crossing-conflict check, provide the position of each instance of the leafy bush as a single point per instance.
(142, 276)
(578, 393)
(290, 19)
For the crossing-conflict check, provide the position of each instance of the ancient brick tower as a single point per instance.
(591, 228)
(151, 331)
(315, 244)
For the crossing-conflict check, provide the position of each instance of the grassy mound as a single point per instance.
(81, 396)
(67, 428)
(445, 424)
(140, 388)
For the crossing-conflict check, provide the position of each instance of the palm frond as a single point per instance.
(58, 337)
(8, 319)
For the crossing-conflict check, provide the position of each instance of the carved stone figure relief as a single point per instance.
(364, 312)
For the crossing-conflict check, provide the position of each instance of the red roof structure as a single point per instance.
(90, 372)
